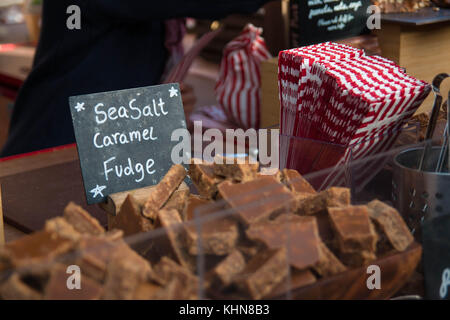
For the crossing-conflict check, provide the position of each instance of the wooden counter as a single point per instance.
(37, 187)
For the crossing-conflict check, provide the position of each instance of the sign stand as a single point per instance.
(2, 228)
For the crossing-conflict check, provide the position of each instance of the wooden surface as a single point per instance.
(36, 188)
(424, 51)
(422, 17)
(270, 102)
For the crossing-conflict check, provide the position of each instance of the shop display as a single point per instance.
(248, 236)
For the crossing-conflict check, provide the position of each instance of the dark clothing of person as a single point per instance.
(120, 45)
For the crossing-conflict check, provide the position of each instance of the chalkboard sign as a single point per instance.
(124, 137)
(436, 253)
(316, 21)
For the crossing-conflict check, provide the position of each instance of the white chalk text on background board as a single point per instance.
(123, 137)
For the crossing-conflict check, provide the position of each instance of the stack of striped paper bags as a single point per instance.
(334, 95)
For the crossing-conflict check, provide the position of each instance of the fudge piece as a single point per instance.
(224, 273)
(326, 231)
(175, 290)
(172, 242)
(288, 232)
(36, 247)
(203, 177)
(353, 229)
(392, 225)
(273, 172)
(113, 235)
(167, 269)
(357, 259)
(15, 289)
(328, 264)
(332, 197)
(178, 201)
(298, 279)
(258, 199)
(296, 183)
(263, 273)
(57, 289)
(249, 248)
(162, 192)
(218, 235)
(61, 227)
(82, 221)
(125, 271)
(94, 254)
(146, 291)
(236, 169)
(130, 220)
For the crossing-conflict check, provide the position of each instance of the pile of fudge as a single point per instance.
(239, 232)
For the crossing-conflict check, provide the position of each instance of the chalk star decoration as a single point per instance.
(80, 107)
(173, 92)
(98, 191)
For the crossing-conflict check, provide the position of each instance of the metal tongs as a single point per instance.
(432, 124)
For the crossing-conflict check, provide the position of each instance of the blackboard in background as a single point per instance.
(124, 137)
(436, 254)
(316, 21)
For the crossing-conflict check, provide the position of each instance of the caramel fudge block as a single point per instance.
(249, 248)
(257, 200)
(176, 290)
(130, 220)
(39, 246)
(162, 192)
(332, 197)
(146, 291)
(273, 172)
(296, 183)
(167, 269)
(203, 177)
(172, 242)
(15, 289)
(94, 254)
(392, 225)
(61, 227)
(357, 259)
(125, 272)
(178, 201)
(263, 273)
(353, 229)
(82, 221)
(218, 235)
(57, 289)
(224, 273)
(299, 235)
(113, 235)
(329, 264)
(236, 169)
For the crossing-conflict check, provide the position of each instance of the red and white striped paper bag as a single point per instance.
(238, 88)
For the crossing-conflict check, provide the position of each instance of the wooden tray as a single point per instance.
(396, 269)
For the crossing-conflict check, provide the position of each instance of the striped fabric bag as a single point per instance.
(238, 88)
